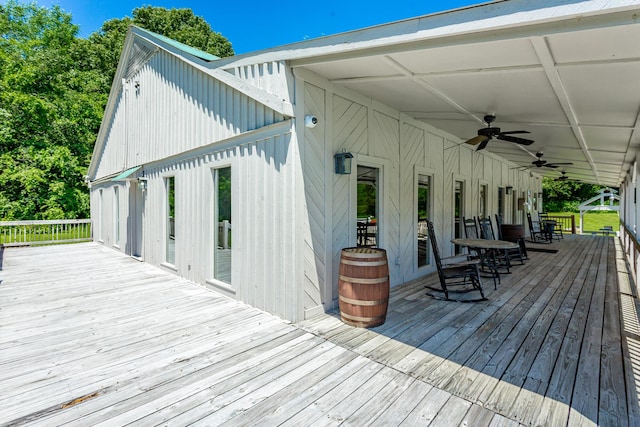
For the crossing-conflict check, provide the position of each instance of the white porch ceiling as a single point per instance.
(574, 83)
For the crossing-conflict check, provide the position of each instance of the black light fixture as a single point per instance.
(509, 189)
(142, 184)
(539, 195)
(343, 163)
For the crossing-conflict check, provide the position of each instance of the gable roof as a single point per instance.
(181, 46)
(140, 45)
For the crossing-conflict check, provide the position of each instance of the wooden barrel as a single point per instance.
(363, 286)
(512, 232)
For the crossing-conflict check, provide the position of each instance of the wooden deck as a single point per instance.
(88, 336)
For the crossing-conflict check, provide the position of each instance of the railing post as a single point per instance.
(573, 224)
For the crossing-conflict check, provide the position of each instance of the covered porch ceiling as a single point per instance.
(568, 72)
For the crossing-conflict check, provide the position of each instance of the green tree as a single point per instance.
(48, 115)
(566, 196)
(182, 25)
(53, 90)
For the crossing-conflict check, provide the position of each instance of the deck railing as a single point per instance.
(631, 248)
(25, 233)
(566, 222)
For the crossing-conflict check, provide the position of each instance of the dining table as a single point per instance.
(487, 250)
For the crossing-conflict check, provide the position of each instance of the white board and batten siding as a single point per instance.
(403, 148)
(291, 214)
(175, 108)
(273, 77)
(181, 122)
(263, 200)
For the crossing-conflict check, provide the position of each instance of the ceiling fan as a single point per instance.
(564, 177)
(487, 134)
(540, 163)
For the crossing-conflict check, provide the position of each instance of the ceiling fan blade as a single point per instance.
(515, 139)
(511, 132)
(483, 144)
(560, 164)
(477, 140)
(550, 165)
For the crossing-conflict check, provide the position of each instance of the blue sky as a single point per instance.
(255, 25)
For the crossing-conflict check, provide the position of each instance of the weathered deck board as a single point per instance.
(557, 343)
(535, 352)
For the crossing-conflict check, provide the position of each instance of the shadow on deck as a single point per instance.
(88, 335)
(556, 343)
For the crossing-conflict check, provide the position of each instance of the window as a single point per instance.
(458, 198)
(222, 219)
(483, 201)
(423, 213)
(171, 220)
(116, 215)
(100, 214)
(368, 201)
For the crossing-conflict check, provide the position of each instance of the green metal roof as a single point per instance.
(183, 47)
(124, 175)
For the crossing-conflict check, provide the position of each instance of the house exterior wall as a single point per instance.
(263, 247)
(273, 77)
(291, 213)
(174, 108)
(402, 148)
(180, 122)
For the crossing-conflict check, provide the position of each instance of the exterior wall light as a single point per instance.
(142, 184)
(509, 189)
(343, 163)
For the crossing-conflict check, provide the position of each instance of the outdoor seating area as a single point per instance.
(494, 256)
(556, 344)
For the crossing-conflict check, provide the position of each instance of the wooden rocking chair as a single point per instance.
(457, 274)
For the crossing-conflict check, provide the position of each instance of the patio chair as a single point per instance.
(503, 258)
(470, 228)
(510, 254)
(457, 274)
(536, 234)
(557, 229)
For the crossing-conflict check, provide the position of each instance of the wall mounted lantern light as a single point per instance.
(142, 184)
(509, 189)
(539, 195)
(343, 163)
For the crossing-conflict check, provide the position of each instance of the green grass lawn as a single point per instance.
(594, 221)
(45, 233)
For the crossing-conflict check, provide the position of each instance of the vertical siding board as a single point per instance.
(278, 207)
